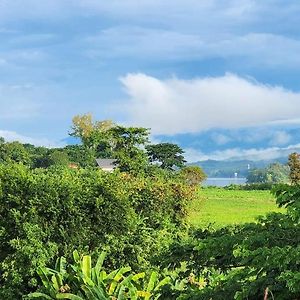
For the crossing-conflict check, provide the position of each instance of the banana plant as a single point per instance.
(82, 281)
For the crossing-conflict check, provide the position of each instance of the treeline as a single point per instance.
(277, 173)
(130, 147)
(42, 157)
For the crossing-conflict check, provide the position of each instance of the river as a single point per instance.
(223, 181)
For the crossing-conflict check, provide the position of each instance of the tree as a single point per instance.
(294, 164)
(168, 155)
(108, 140)
(193, 175)
(80, 155)
(93, 134)
(128, 143)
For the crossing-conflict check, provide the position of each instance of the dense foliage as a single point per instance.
(250, 261)
(49, 212)
(193, 175)
(168, 156)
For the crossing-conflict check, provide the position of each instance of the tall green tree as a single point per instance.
(129, 143)
(169, 156)
(94, 135)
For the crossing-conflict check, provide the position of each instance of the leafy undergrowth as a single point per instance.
(82, 281)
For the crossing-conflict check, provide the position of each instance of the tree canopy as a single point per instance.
(168, 155)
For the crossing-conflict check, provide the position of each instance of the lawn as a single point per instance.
(223, 207)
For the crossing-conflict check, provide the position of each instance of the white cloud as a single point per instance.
(280, 138)
(175, 106)
(161, 44)
(193, 155)
(220, 139)
(11, 136)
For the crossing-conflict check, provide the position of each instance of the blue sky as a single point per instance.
(221, 78)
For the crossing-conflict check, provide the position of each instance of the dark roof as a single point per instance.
(106, 162)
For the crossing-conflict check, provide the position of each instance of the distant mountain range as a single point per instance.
(228, 168)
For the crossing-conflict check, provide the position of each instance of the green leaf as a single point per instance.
(162, 283)
(86, 266)
(38, 295)
(68, 296)
(42, 272)
(100, 261)
(118, 277)
(138, 276)
(152, 281)
(56, 280)
(60, 265)
(76, 256)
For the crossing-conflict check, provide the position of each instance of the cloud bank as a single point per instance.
(194, 155)
(176, 106)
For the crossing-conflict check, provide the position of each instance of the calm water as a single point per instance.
(223, 181)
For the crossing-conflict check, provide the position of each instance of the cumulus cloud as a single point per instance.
(175, 106)
(11, 136)
(193, 155)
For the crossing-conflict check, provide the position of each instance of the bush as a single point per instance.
(82, 280)
(193, 175)
(50, 212)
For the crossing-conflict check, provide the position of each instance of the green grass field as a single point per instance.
(224, 207)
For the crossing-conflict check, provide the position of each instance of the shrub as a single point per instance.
(50, 212)
(193, 175)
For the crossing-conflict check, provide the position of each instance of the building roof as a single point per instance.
(106, 163)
